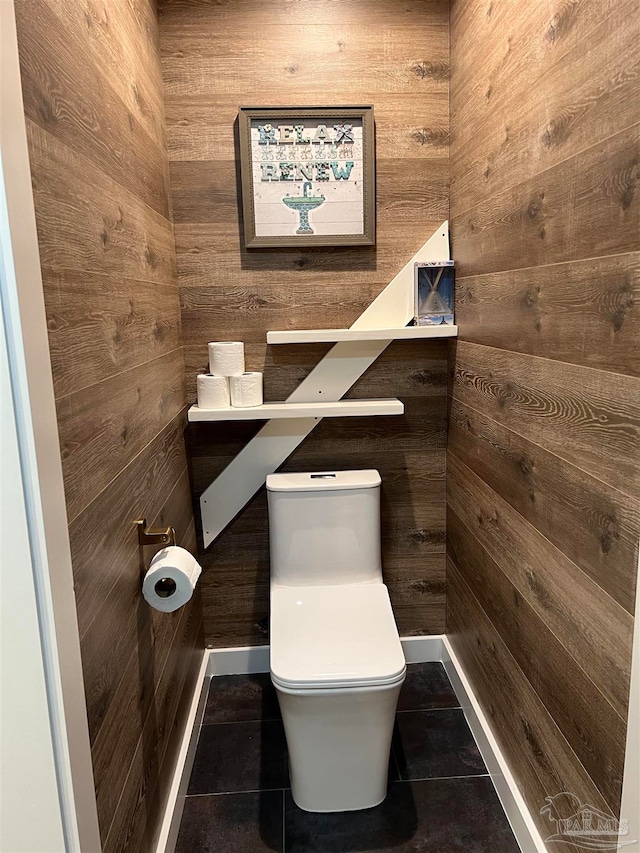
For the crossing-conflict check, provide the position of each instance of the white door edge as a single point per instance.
(37, 433)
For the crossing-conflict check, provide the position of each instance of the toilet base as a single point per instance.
(339, 743)
(357, 808)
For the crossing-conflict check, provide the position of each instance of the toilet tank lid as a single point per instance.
(323, 481)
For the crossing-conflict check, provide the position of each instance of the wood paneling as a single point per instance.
(157, 647)
(590, 418)
(365, 57)
(197, 13)
(542, 760)
(105, 325)
(198, 129)
(585, 312)
(141, 808)
(418, 369)
(140, 489)
(499, 53)
(544, 430)
(206, 190)
(121, 37)
(212, 253)
(111, 612)
(527, 224)
(562, 115)
(94, 106)
(100, 225)
(594, 524)
(104, 426)
(78, 103)
(597, 739)
(215, 57)
(594, 629)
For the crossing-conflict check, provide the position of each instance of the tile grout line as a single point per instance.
(428, 710)
(231, 793)
(394, 760)
(440, 778)
(279, 719)
(239, 722)
(391, 782)
(283, 790)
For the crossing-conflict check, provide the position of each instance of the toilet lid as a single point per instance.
(334, 636)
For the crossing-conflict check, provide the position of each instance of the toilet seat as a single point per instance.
(334, 636)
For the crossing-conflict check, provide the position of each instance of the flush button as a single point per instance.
(322, 476)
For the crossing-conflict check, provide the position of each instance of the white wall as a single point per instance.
(30, 815)
(630, 809)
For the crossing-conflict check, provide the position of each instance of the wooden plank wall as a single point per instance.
(95, 119)
(216, 57)
(543, 512)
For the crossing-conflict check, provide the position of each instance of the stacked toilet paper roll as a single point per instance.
(227, 382)
(213, 391)
(226, 358)
(171, 579)
(246, 390)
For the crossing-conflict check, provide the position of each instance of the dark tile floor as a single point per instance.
(440, 798)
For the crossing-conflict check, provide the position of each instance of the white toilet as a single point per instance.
(336, 659)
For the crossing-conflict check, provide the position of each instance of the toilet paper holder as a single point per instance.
(147, 536)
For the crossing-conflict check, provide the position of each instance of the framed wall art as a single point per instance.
(308, 176)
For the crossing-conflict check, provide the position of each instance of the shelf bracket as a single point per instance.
(332, 377)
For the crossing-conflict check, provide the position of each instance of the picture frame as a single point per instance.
(308, 176)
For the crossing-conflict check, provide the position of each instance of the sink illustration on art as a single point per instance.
(303, 204)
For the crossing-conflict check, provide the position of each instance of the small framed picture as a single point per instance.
(308, 176)
(433, 293)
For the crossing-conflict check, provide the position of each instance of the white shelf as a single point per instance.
(284, 426)
(317, 336)
(336, 409)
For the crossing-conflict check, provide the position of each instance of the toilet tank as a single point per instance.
(324, 528)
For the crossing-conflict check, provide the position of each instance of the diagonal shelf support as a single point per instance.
(329, 381)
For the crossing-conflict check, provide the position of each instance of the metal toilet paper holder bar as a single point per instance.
(147, 536)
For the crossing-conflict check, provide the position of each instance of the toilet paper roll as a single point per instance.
(226, 358)
(171, 579)
(246, 390)
(213, 391)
